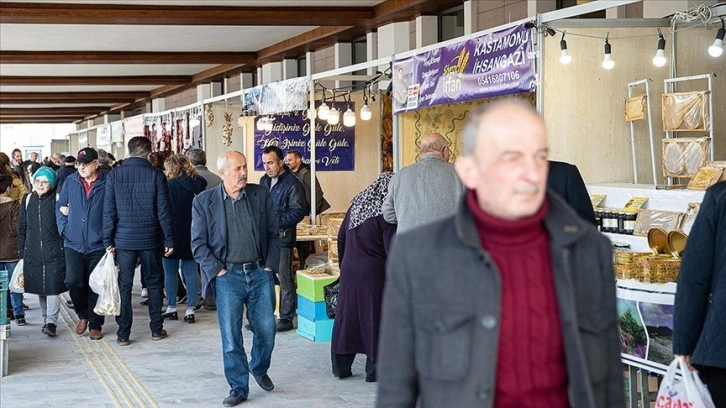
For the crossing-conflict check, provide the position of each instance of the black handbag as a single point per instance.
(330, 293)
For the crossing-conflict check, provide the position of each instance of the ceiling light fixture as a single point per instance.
(716, 49)
(659, 60)
(608, 62)
(565, 57)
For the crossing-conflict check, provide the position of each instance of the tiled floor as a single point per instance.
(184, 370)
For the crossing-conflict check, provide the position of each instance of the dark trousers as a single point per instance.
(304, 249)
(78, 268)
(715, 380)
(153, 271)
(342, 364)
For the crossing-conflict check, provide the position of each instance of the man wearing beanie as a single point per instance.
(80, 223)
(41, 247)
(511, 301)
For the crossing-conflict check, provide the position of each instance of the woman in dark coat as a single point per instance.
(363, 242)
(184, 184)
(41, 247)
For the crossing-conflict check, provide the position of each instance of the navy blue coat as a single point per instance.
(699, 322)
(63, 173)
(82, 229)
(209, 231)
(288, 198)
(565, 180)
(137, 213)
(182, 191)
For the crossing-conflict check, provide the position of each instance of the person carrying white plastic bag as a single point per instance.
(104, 281)
(688, 392)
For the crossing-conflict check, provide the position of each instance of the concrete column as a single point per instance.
(246, 80)
(427, 30)
(157, 105)
(259, 76)
(343, 58)
(111, 117)
(540, 6)
(397, 39)
(289, 68)
(310, 63)
(204, 91)
(660, 9)
(217, 88)
(471, 16)
(371, 50)
(271, 72)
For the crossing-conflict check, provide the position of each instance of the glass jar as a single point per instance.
(620, 222)
(629, 223)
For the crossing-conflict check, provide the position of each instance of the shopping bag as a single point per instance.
(689, 392)
(330, 294)
(17, 281)
(95, 280)
(105, 283)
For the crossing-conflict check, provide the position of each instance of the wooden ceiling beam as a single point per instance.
(127, 14)
(125, 57)
(70, 97)
(96, 80)
(19, 121)
(299, 44)
(81, 110)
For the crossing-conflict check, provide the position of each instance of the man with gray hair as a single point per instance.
(235, 240)
(199, 159)
(425, 191)
(510, 301)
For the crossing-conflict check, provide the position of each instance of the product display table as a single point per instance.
(618, 194)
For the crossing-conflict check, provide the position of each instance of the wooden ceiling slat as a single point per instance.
(125, 57)
(48, 13)
(307, 41)
(96, 80)
(69, 119)
(69, 97)
(81, 110)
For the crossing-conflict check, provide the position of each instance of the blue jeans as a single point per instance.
(233, 290)
(152, 269)
(15, 299)
(171, 280)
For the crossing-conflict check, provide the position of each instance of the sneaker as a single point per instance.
(69, 303)
(189, 318)
(144, 293)
(20, 320)
(161, 335)
(122, 342)
(144, 302)
(284, 325)
(233, 400)
(49, 330)
(170, 315)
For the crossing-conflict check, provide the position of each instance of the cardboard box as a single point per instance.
(317, 331)
(310, 286)
(311, 310)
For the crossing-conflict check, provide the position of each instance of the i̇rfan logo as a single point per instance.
(454, 74)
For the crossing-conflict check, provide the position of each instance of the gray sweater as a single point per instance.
(422, 193)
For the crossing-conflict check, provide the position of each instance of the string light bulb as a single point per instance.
(607, 61)
(333, 116)
(659, 60)
(349, 118)
(323, 111)
(716, 49)
(365, 113)
(565, 57)
(311, 112)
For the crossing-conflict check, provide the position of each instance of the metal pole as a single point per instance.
(650, 131)
(632, 139)
(312, 153)
(539, 72)
(710, 113)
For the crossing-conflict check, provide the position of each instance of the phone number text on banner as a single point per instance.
(493, 64)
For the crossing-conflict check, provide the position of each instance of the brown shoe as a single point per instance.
(81, 326)
(96, 334)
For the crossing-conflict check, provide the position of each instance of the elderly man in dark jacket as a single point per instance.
(288, 197)
(510, 302)
(235, 240)
(80, 223)
(699, 322)
(137, 225)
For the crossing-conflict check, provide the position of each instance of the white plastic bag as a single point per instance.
(17, 281)
(689, 392)
(104, 281)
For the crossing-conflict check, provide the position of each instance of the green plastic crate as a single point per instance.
(311, 286)
(4, 297)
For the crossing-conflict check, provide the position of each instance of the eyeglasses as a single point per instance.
(41, 182)
(83, 165)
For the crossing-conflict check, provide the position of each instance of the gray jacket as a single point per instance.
(441, 307)
(421, 193)
(213, 180)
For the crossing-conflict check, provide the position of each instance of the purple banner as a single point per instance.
(335, 144)
(493, 64)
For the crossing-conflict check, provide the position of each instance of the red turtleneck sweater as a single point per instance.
(531, 368)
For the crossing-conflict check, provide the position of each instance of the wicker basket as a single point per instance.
(682, 157)
(685, 111)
